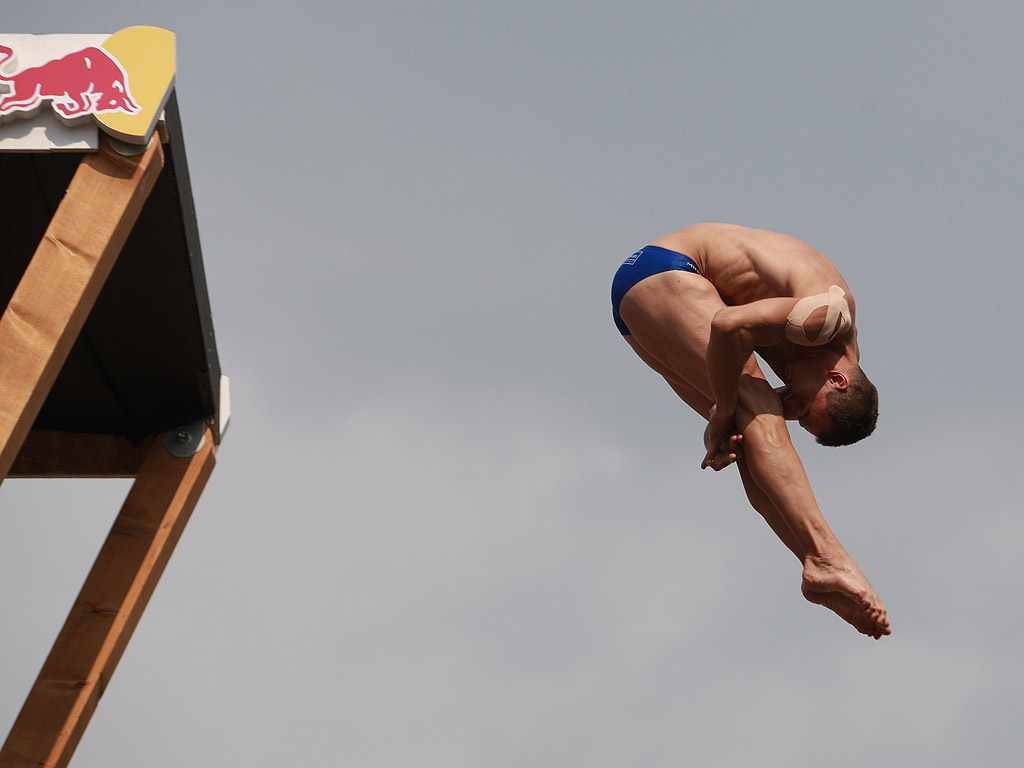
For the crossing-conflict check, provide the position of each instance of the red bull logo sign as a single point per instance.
(85, 82)
(119, 84)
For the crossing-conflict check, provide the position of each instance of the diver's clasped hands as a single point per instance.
(723, 441)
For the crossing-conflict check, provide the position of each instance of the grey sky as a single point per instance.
(455, 521)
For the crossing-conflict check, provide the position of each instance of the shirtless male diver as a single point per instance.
(695, 305)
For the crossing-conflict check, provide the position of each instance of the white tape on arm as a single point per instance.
(837, 317)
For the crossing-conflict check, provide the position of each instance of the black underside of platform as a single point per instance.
(146, 360)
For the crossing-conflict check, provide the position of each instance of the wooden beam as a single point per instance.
(108, 608)
(60, 286)
(52, 453)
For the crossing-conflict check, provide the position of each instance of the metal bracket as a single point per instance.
(125, 149)
(184, 441)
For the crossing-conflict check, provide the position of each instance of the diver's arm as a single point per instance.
(735, 333)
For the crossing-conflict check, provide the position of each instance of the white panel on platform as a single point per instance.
(42, 129)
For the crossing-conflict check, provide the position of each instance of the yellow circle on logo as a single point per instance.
(147, 56)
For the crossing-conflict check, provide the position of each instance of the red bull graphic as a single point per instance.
(62, 89)
(85, 82)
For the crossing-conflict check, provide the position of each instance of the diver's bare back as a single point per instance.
(747, 264)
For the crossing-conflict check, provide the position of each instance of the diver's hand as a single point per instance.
(723, 441)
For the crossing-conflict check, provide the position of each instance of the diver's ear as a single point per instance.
(838, 379)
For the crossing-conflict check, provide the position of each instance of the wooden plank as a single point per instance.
(52, 453)
(108, 608)
(61, 284)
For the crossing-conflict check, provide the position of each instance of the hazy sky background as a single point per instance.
(456, 522)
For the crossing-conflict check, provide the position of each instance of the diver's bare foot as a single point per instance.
(844, 590)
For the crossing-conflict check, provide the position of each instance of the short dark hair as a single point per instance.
(853, 411)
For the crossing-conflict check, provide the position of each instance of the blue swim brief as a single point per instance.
(646, 262)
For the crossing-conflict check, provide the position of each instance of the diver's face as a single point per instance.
(804, 396)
